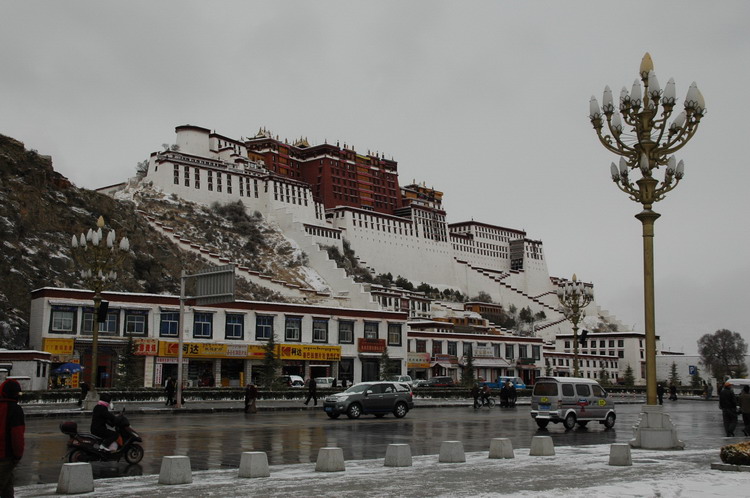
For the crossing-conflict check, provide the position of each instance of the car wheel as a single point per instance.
(354, 411)
(400, 410)
(570, 421)
(134, 454)
(583, 423)
(609, 422)
(333, 415)
(542, 423)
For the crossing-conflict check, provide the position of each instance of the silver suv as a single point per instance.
(377, 398)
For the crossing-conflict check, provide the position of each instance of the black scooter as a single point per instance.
(85, 447)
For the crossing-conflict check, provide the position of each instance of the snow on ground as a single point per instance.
(572, 472)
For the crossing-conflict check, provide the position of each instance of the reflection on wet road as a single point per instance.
(215, 441)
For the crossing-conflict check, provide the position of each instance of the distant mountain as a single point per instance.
(40, 210)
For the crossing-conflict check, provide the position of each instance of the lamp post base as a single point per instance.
(655, 431)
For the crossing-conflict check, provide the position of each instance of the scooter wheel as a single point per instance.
(134, 454)
(77, 456)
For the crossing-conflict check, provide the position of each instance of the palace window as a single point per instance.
(234, 327)
(202, 325)
(320, 330)
(293, 328)
(394, 334)
(346, 332)
(136, 322)
(169, 324)
(263, 327)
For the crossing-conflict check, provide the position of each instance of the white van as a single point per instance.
(571, 400)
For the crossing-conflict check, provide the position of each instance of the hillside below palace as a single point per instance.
(324, 194)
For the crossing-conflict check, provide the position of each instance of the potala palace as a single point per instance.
(323, 195)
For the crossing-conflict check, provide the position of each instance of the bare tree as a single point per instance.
(723, 353)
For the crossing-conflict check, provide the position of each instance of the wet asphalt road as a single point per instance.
(216, 441)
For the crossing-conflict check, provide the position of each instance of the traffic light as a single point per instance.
(584, 334)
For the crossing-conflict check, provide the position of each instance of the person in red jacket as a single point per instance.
(12, 427)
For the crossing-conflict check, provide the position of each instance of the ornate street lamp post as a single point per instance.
(574, 297)
(99, 258)
(648, 144)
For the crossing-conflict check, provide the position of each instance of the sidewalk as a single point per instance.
(572, 472)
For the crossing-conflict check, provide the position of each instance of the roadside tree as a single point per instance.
(723, 353)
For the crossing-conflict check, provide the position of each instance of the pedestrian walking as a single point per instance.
(343, 384)
(744, 402)
(660, 393)
(709, 390)
(312, 391)
(728, 405)
(170, 388)
(251, 395)
(673, 392)
(12, 427)
(84, 393)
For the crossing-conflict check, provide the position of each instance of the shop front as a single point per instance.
(445, 365)
(310, 360)
(418, 365)
(370, 352)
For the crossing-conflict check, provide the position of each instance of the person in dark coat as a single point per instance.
(312, 391)
(12, 426)
(728, 405)
(84, 393)
(475, 395)
(101, 417)
(512, 394)
(504, 394)
(251, 395)
(660, 393)
(170, 388)
(673, 392)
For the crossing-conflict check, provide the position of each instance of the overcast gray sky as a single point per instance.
(486, 101)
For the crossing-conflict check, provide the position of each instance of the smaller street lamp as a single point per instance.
(99, 257)
(574, 297)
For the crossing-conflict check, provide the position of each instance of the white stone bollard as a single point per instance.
(75, 478)
(619, 454)
(542, 446)
(254, 464)
(330, 460)
(452, 452)
(501, 447)
(175, 470)
(398, 455)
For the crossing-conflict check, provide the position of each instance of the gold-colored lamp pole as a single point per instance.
(640, 132)
(98, 257)
(574, 297)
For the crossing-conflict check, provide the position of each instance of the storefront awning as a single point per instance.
(443, 364)
(491, 362)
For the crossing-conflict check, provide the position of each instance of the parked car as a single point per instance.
(292, 381)
(571, 400)
(377, 398)
(420, 383)
(403, 379)
(324, 382)
(441, 382)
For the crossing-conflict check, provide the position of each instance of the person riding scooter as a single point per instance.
(100, 419)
